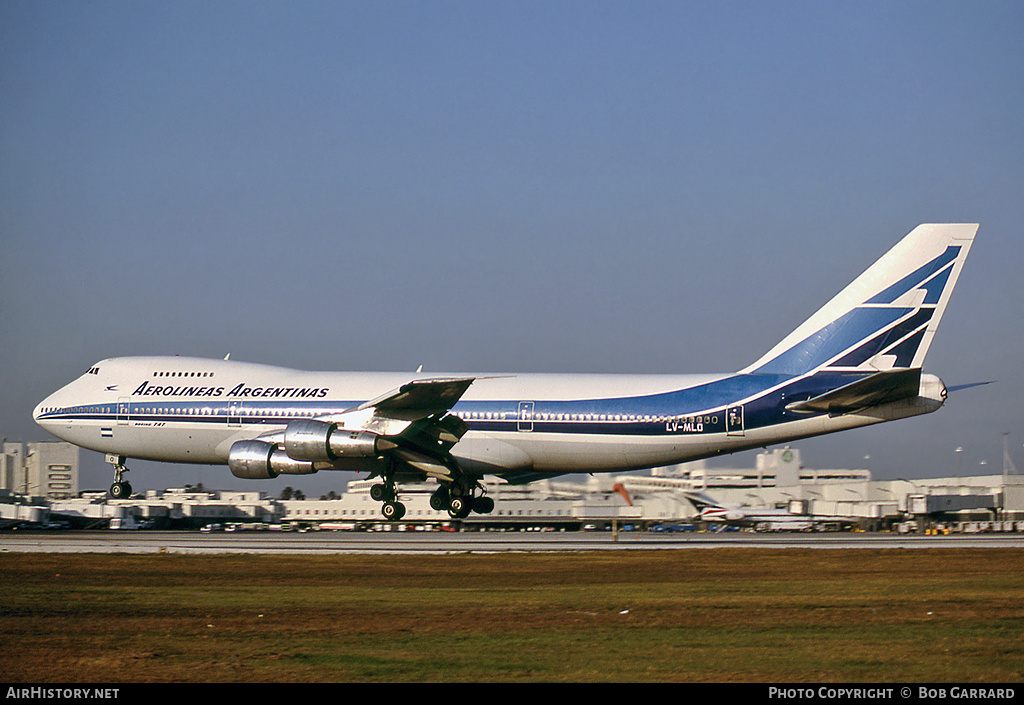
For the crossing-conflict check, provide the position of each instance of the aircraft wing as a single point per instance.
(880, 388)
(410, 424)
(419, 398)
(415, 421)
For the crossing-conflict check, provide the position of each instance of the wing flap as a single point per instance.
(523, 477)
(424, 463)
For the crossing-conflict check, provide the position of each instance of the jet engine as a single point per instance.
(260, 460)
(320, 441)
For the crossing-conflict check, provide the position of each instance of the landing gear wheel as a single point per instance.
(382, 493)
(121, 490)
(459, 507)
(483, 505)
(393, 511)
(439, 500)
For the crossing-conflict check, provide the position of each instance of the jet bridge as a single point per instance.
(948, 503)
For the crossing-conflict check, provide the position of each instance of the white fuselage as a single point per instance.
(858, 360)
(193, 410)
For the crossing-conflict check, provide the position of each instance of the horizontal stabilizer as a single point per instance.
(880, 388)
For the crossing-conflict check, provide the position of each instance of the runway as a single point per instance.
(329, 542)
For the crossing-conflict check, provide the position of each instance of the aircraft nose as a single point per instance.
(38, 411)
(42, 408)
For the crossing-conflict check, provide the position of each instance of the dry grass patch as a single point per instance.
(715, 615)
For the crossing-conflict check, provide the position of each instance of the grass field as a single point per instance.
(751, 615)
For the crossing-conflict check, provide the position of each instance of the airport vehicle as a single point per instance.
(857, 361)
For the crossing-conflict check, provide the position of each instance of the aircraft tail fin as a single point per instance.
(886, 319)
(701, 501)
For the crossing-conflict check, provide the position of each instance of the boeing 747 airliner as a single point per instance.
(857, 361)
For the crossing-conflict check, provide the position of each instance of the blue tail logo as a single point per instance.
(886, 318)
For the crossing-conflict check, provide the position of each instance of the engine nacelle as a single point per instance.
(260, 460)
(318, 441)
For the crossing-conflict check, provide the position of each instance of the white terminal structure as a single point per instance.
(39, 484)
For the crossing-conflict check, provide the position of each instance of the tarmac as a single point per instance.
(436, 542)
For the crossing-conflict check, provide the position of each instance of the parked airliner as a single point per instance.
(712, 511)
(857, 361)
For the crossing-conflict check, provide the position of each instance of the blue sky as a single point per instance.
(504, 186)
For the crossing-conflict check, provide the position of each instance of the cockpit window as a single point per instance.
(94, 371)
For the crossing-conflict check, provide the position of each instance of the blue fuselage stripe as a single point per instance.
(703, 407)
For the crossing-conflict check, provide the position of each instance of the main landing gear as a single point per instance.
(392, 509)
(121, 489)
(460, 500)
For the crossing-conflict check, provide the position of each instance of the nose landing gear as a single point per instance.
(121, 489)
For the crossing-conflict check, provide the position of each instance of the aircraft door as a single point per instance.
(122, 411)
(734, 425)
(526, 416)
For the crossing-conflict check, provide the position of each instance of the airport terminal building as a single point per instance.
(47, 469)
(39, 484)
